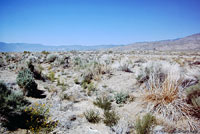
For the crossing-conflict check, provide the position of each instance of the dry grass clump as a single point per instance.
(168, 98)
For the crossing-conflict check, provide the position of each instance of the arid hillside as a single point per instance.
(188, 43)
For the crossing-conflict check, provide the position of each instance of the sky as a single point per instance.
(97, 22)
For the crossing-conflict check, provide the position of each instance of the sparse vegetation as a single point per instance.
(98, 81)
(92, 116)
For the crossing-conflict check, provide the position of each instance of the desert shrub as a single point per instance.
(27, 52)
(1, 62)
(26, 81)
(77, 61)
(110, 118)
(103, 102)
(159, 69)
(84, 85)
(51, 76)
(125, 68)
(31, 59)
(93, 70)
(40, 67)
(92, 116)
(11, 107)
(87, 77)
(45, 52)
(76, 81)
(90, 88)
(121, 97)
(193, 95)
(37, 71)
(65, 96)
(9, 57)
(142, 126)
(51, 58)
(39, 119)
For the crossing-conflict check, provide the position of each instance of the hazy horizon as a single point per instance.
(94, 22)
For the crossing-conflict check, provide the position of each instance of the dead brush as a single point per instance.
(168, 99)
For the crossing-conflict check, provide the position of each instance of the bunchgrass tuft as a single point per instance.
(103, 102)
(92, 116)
(143, 126)
(110, 118)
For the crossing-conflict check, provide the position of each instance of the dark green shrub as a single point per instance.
(26, 81)
(110, 118)
(12, 105)
(103, 102)
(92, 116)
(121, 97)
(27, 52)
(45, 52)
(143, 125)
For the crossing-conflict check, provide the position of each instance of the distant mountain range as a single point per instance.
(191, 42)
(20, 47)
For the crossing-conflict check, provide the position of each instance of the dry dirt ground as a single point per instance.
(112, 73)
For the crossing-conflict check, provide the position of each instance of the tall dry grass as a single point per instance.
(168, 99)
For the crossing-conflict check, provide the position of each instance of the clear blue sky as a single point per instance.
(96, 22)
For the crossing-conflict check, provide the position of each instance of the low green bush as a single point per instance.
(26, 81)
(121, 97)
